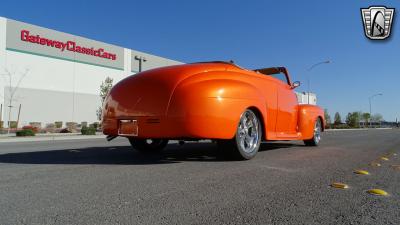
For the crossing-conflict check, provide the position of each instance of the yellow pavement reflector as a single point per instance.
(375, 164)
(377, 192)
(339, 185)
(362, 172)
(385, 158)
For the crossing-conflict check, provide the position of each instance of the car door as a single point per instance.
(286, 124)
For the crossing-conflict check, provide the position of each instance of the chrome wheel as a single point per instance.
(317, 131)
(247, 139)
(314, 141)
(249, 132)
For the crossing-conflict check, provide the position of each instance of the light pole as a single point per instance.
(141, 60)
(370, 108)
(308, 77)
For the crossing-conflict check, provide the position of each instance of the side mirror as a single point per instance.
(295, 84)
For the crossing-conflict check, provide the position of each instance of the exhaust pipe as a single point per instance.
(110, 137)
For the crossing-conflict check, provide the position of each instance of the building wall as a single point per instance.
(151, 62)
(70, 79)
(59, 85)
(3, 23)
(306, 98)
(48, 106)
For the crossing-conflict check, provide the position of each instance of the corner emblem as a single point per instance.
(377, 22)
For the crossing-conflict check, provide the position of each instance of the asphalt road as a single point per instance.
(95, 182)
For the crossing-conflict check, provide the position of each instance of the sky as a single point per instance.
(255, 34)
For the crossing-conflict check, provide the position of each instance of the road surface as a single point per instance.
(96, 182)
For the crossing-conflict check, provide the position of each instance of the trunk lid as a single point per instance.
(148, 93)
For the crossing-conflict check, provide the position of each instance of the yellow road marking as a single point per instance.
(361, 172)
(377, 192)
(339, 185)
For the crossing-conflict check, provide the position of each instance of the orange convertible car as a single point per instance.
(236, 107)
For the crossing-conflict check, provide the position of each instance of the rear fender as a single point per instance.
(308, 114)
(212, 108)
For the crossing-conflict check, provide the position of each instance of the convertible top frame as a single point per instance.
(275, 70)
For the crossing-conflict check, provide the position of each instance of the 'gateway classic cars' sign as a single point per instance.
(40, 41)
(69, 45)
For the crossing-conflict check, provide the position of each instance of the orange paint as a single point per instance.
(205, 101)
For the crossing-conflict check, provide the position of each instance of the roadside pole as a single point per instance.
(19, 113)
(1, 113)
(308, 77)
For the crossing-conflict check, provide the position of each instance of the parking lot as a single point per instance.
(99, 182)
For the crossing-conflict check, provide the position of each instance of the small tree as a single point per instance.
(366, 117)
(13, 87)
(338, 119)
(328, 120)
(105, 88)
(353, 119)
(348, 119)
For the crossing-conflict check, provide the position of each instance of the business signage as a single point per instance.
(68, 45)
(31, 39)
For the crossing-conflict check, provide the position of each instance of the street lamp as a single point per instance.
(141, 59)
(308, 77)
(370, 108)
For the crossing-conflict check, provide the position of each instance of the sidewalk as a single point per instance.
(9, 138)
(358, 129)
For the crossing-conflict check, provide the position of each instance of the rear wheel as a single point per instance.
(247, 140)
(148, 145)
(317, 134)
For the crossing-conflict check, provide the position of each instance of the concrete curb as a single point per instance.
(360, 129)
(50, 138)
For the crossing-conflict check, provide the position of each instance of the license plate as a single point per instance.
(128, 128)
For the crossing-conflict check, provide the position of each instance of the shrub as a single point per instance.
(95, 125)
(34, 129)
(13, 124)
(58, 124)
(88, 131)
(23, 133)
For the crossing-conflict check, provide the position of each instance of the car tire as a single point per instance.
(148, 145)
(316, 139)
(247, 140)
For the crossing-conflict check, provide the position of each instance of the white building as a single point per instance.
(63, 73)
(306, 98)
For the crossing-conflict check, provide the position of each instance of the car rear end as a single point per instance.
(138, 105)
